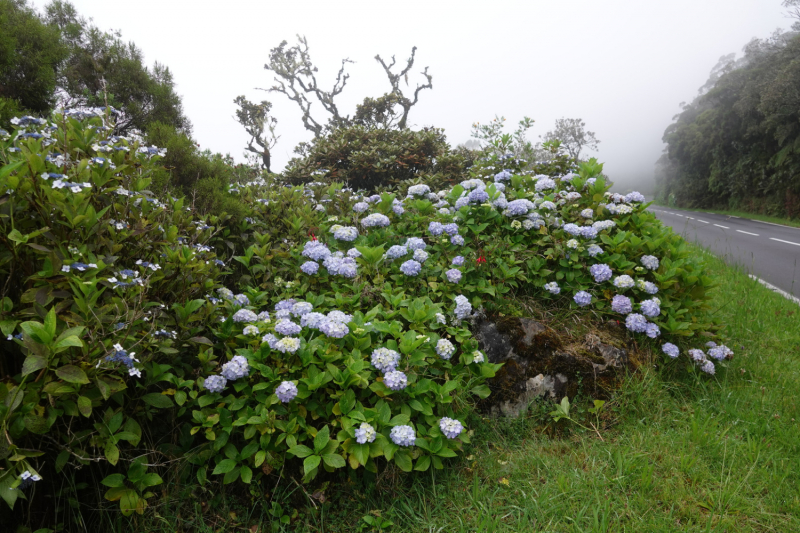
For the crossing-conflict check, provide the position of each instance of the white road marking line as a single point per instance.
(747, 232)
(723, 227)
(703, 221)
(787, 242)
(773, 288)
(690, 218)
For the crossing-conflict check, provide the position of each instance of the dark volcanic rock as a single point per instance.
(536, 363)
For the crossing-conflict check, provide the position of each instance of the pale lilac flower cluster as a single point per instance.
(315, 251)
(587, 213)
(458, 260)
(420, 255)
(572, 229)
(552, 288)
(375, 220)
(594, 250)
(670, 349)
(236, 368)
(478, 357)
(720, 352)
(634, 196)
(602, 225)
(435, 228)
(395, 380)
(519, 207)
(403, 435)
(287, 327)
(450, 428)
(650, 307)
(287, 345)
(601, 272)
(582, 298)
(395, 252)
(415, 243)
(650, 262)
(463, 307)
(353, 253)
(245, 315)
(310, 268)
(301, 308)
(453, 275)
(457, 240)
(385, 360)
(286, 391)
(360, 207)
(545, 184)
(623, 282)
(214, 383)
(636, 323)
(418, 190)
(251, 330)
(334, 329)
(588, 232)
(502, 175)
(445, 349)
(621, 304)
(365, 433)
(345, 233)
(411, 268)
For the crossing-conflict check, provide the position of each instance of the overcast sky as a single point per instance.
(621, 65)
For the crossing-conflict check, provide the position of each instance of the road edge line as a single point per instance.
(773, 288)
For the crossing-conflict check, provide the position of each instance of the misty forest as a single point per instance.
(393, 332)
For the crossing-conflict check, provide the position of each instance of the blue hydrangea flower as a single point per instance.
(652, 330)
(588, 232)
(310, 268)
(286, 391)
(347, 270)
(395, 252)
(587, 213)
(395, 380)
(410, 268)
(315, 251)
(245, 315)
(403, 435)
(650, 262)
(582, 298)
(457, 240)
(360, 207)
(650, 307)
(636, 323)
(634, 196)
(353, 253)
(650, 288)
(545, 184)
(453, 275)
(398, 209)
(623, 282)
(463, 307)
(435, 228)
(450, 428)
(375, 220)
(451, 229)
(415, 243)
(251, 330)
(518, 207)
(215, 383)
(708, 367)
(458, 260)
(420, 255)
(594, 250)
(288, 345)
(418, 190)
(697, 355)
(338, 316)
(670, 349)
(236, 368)
(385, 360)
(552, 288)
(271, 340)
(601, 272)
(334, 329)
(572, 229)
(445, 349)
(312, 320)
(365, 433)
(346, 233)
(287, 327)
(502, 175)
(301, 308)
(621, 304)
(478, 196)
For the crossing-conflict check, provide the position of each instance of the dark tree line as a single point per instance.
(737, 145)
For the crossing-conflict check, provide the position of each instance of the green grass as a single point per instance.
(741, 214)
(678, 452)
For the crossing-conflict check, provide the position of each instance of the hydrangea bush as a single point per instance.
(328, 329)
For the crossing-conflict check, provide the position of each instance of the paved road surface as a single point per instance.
(769, 251)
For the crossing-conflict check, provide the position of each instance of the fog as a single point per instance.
(622, 66)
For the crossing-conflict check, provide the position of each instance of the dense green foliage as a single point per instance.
(98, 267)
(737, 145)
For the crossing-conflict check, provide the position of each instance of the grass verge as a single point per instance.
(676, 451)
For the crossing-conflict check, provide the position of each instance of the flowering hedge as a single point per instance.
(340, 337)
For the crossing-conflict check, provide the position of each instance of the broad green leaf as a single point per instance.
(161, 401)
(32, 364)
(301, 451)
(322, 438)
(334, 460)
(310, 463)
(72, 374)
(224, 466)
(114, 480)
(85, 406)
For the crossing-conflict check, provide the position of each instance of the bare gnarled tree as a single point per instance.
(295, 76)
(260, 126)
(394, 79)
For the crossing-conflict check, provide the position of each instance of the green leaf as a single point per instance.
(310, 463)
(85, 406)
(322, 438)
(111, 452)
(161, 401)
(32, 364)
(360, 452)
(50, 323)
(481, 391)
(334, 460)
(151, 480)
(224, 466)
(423, 463)
(399, 420)
(246, 473)
(72, 374)
(403, 460)
(301, 451)
(63, 344)
(114, 480)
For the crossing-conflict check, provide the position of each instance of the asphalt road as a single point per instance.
(769, 251)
